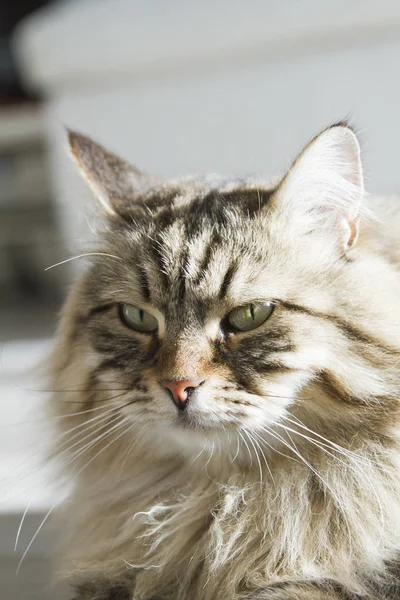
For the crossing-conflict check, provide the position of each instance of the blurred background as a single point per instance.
(175, 87)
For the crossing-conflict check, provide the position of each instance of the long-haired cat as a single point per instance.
(229, 365)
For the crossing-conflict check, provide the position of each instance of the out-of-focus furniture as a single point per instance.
(179, 86)
(29, 300)
(28, 230)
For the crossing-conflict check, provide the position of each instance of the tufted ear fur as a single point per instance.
(324, 186)
(114, 182)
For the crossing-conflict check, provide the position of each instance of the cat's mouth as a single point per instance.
(192, 422)
(186, 420)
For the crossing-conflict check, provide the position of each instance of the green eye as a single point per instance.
(137, 319)
(251, 316)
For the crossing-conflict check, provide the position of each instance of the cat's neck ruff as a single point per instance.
(163, 516)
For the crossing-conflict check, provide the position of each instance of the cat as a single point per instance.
(227, 373)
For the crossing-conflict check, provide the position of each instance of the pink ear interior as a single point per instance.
(353, 225)
(325, 183)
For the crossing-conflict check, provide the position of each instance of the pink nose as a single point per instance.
(181, 390)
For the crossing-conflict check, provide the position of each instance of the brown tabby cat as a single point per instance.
(230, 367)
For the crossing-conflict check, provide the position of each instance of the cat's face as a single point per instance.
(212, 303)
(205, 293)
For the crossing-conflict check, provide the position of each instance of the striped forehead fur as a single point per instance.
(280, 479)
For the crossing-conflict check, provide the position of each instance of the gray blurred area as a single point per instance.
(175, 87)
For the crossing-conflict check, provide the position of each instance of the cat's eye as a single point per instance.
(250, 316)
(137, 319)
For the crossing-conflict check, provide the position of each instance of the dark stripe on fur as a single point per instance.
(155, 252)
(107, 364)
(208, 255)
(250, 201)
(144, 283)
(83, 319)
(352, 332)
(334, 389)
(184, 268)
(253, 355)
(226, 282)
(275, 366)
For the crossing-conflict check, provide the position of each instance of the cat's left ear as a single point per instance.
(324, 187)
(114, 181)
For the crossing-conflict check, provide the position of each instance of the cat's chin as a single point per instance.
(203, 428)
(185, 434)
(185, 421)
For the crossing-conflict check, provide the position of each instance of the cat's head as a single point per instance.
(212, 304)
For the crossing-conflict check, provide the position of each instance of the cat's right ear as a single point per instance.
(324, 187)
(114, 182)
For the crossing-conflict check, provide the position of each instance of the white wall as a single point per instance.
(229, 86)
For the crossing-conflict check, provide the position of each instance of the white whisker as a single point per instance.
(256, 453)
(35, 536)
(248, 449)
(75, 476)
(21, 524)
(62, 262)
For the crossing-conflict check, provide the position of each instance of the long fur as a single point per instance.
(281, 478)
